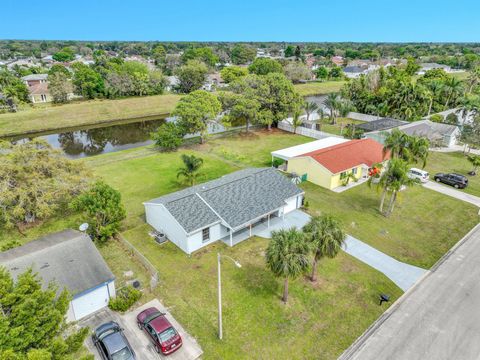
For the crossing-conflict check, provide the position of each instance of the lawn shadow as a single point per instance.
(257, 280)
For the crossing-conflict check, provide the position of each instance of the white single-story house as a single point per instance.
(439, 134)
(223, 209)
(71, 259)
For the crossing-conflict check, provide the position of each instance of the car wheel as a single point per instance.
(139, 326)
(157, 349)
(456, 186)
(437, 179)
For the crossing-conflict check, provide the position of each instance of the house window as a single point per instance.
(343, 175)
(354, 171)
(43, 97)
(205, 234)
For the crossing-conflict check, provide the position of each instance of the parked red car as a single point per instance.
(164, 336)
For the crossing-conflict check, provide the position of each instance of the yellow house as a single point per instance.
(330, 167)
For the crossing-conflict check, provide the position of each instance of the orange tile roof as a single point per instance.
(341, 157)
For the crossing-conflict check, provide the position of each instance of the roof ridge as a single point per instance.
(334, 147)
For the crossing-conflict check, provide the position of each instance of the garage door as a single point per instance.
(291, 205)
(90, 302)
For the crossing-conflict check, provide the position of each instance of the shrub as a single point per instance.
(168, 137)
(278, 162)
(436, 118)
(126, 297)
(451, 119)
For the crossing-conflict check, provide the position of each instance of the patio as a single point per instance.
(295, 218)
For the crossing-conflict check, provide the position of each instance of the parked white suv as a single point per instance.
(421, 175)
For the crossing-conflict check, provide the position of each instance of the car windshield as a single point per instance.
(167, 334)
(124, 354)
(107, 332)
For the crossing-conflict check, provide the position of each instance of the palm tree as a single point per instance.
(332, 102)
(287, 255)
(392, 180)
(190, 169)
(296, 121)
(397, 143)
(326, 237)
(475, 161)
(452, 87)
(309, 108)
(419, 149)
(473, 78)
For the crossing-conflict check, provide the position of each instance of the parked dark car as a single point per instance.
(112, 343)
(456, 180)
(160, 331)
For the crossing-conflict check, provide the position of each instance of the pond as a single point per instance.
(82, 142)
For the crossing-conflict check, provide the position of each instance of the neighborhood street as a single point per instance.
(450, 191)
(438, 319)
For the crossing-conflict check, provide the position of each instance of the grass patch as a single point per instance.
(251, 149)
(319, 88)
(50, 117)
(319, 322)
(423, 226)
(453, 162)
(340, 127)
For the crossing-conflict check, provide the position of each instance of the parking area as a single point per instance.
(138, 340)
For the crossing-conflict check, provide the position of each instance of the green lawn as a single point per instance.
(50, 117)
(319, 88)
(423, 226)
(453, 162)
(340, 127)
(251, 149)
(319, 322)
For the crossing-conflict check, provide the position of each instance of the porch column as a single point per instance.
(231, 238)
(250, 230)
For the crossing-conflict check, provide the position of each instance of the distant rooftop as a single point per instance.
(380, 124)
(33, 77)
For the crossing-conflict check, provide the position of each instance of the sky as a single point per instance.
(244, 20)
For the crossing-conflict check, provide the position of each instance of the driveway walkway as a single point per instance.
(404, 275)
(450, 191)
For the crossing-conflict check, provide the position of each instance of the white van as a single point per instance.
(421, 175)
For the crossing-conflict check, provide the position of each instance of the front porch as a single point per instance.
(263, 228)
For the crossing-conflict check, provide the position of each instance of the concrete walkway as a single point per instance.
(404, 275)
(451, 191)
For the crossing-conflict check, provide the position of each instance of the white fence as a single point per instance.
(301, 130)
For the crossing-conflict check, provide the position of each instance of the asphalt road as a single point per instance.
(438, 319)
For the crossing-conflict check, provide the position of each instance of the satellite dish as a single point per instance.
(83, 227)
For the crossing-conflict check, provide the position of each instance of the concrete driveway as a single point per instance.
(143, 348)
(451, 191)
(402, 274)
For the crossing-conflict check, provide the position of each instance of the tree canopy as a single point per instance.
(191, 76)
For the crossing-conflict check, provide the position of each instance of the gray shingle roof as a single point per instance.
(68, 257)
(236, 199)
(381, 124)
(35, 77)
(429, 129)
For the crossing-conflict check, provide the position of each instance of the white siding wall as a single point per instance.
(217, 232)
(158, 217)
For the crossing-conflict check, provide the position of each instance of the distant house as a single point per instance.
(71, 259)
(214, 81)
(380, 124)
(227, 209)
(353, 72)
(172, 83)
(337, 60)
(34, 79)
(432, 66)
(328, 167)
(39, 93)
(438, 134)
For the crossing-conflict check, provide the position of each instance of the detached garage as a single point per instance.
(71, 260)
